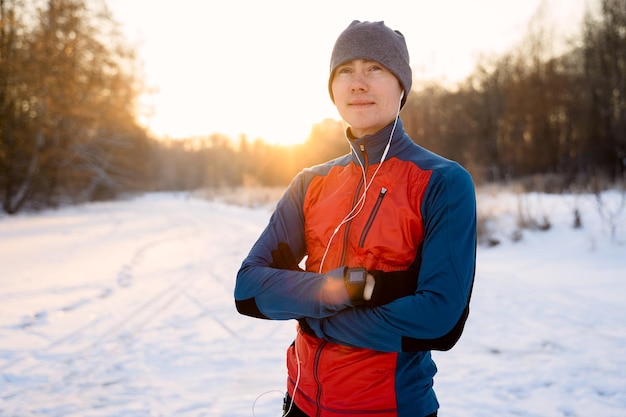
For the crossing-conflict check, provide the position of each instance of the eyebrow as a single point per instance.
(367, 61)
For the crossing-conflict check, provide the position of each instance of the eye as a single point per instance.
(344, 70)
(375, 68)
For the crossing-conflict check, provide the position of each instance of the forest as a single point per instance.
(550, 118)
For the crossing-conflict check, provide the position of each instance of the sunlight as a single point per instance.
(224, 70)
(181, 117)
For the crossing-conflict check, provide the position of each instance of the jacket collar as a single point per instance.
(374, 145)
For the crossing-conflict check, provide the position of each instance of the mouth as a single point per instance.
(360, 103)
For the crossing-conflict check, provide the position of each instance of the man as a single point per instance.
(389, 236)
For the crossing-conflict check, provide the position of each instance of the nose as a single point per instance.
(358, 83)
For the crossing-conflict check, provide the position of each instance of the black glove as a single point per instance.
(304, 326)
(282, 258)
(391, 285)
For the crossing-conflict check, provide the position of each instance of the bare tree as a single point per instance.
(71, 132)
(19, 156)
(604, 54)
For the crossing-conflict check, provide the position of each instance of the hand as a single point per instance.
(389, 286)
(283, 258)
(311, 326)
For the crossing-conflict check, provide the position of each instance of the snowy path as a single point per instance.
(126, 309)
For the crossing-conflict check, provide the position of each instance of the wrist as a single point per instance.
(355, 280)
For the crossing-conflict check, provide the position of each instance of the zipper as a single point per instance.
(355, 199)
(368, 225)
(370, 220)
(318, 398)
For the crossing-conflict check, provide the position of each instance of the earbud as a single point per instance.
(402, 95)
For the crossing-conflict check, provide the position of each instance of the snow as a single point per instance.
(126, 309)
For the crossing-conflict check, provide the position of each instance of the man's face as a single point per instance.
(367, 95)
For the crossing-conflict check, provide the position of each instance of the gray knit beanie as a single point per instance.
(373, 41)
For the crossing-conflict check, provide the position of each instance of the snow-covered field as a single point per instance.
(126, 309)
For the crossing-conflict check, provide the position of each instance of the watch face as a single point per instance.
(356, 275)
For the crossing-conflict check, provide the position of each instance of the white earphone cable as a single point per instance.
(361, 202)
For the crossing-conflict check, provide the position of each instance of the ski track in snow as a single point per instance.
(126, 309)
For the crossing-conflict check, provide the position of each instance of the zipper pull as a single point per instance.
(365, 159)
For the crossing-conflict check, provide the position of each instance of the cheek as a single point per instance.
(337, 94)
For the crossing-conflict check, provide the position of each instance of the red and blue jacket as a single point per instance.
(419, 213)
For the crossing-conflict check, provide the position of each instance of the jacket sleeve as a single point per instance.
(265, 292)
(434, 316)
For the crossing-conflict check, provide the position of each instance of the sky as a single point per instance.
(260, 68)
(126, 309)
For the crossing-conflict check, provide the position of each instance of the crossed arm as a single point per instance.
(418, 309)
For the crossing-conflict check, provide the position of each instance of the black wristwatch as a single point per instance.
(355, 279)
